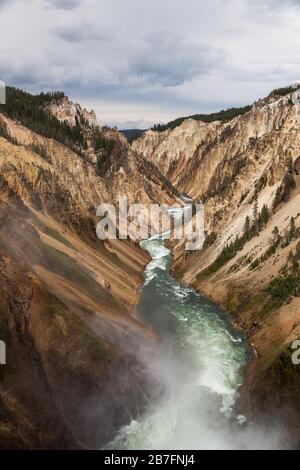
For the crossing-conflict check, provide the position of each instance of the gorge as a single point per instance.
(149, 346)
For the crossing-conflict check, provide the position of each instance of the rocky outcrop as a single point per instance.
(72, 113)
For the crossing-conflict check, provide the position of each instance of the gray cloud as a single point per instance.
(80, 32)
(168, 60)
(272, 6)
(283, 3)
(4, 3)
(150, 61)
(64, 4)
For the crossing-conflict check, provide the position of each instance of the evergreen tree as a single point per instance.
(276, 235)
(292, 229)
(247, 228)
(265, 215)
(255, 211)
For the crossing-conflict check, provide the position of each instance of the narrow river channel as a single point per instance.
(198, 364)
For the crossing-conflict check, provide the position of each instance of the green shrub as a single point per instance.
(285, 287)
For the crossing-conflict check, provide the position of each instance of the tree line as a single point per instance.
(224, 115)
(29, 110)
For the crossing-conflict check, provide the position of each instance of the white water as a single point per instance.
(197, 365)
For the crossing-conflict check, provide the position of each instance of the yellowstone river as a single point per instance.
(198, 365)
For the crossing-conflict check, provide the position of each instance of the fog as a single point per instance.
(196, 369)
(190, 413)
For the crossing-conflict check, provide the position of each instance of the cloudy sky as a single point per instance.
(137, 62)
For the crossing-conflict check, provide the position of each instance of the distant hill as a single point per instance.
(223, 116)
(132, 134)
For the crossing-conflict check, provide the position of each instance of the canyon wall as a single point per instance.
(246, 172)
(67, 308)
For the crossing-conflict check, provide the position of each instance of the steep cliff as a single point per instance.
(67, 298)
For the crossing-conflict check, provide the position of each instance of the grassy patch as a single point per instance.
(262, 304)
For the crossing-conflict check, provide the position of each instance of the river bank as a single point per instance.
(271, 382)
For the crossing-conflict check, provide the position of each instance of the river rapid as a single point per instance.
(198, 366)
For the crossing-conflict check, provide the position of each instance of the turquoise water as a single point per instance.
(197, 365)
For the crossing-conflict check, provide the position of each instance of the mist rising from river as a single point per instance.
(198, 367)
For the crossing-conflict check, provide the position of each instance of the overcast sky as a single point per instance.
(137, 62)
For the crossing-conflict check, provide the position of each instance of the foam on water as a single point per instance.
(198, 365)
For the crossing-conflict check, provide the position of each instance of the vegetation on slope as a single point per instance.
(278, 241)
(104, 147)
(282, 91)
(30, 111)
(132, 134)
(251, 229)
(224, 115)
(287, 284)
